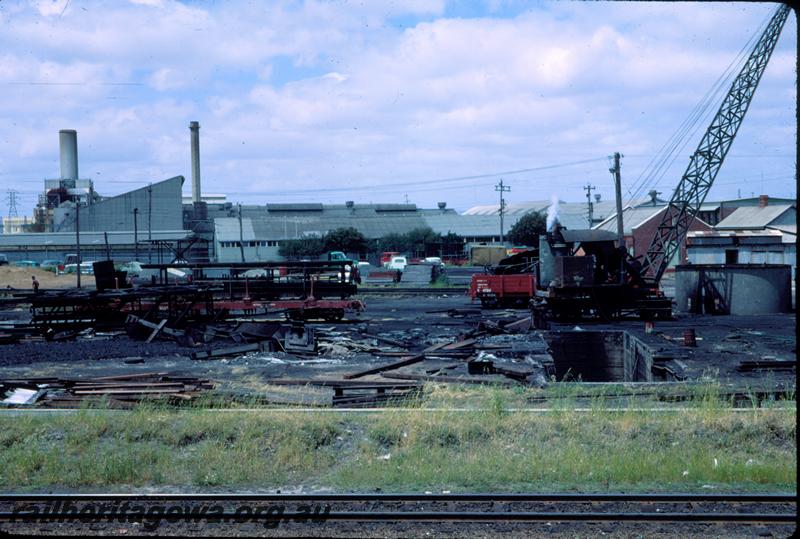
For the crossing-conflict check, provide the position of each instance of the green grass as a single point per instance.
(403, 449)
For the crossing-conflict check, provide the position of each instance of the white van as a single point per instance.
(398, 263)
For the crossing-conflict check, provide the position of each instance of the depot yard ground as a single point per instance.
(689, 436)
(20, 277)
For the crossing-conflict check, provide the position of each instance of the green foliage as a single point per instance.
(346, 239)
(422, 242)
(419, 242)
(526, 231)
(393, 242)
(305, 247)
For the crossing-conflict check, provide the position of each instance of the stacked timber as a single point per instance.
(121, 391)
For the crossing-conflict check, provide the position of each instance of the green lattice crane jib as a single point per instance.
(706, 161)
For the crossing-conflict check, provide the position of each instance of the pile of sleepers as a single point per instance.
(122, 391)
(361, 394)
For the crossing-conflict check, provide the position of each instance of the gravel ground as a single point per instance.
(435, 529)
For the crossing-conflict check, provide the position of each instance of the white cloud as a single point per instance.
(303, 93)
(50, 7)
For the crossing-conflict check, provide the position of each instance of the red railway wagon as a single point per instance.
(515, 290)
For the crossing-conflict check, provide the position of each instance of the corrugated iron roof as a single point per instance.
(631, 218)
(54, 239)
(470, 226)
(789, 229)
(754, 216)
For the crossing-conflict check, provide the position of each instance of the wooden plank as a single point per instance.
(123, 383)
(523, 324)
(459, 344)
(126, 376)
(447, 379)
(390, 366)
(346, 384)
(126, 392)
(436, 346)
(155, 332)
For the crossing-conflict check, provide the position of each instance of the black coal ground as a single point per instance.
(419, 320)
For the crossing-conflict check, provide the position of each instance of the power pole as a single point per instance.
(502, 189)
(136, 234)
(618, 188)
(241, 233)
(615, 170)
(78, 239)
(149, 223)
(589, 188)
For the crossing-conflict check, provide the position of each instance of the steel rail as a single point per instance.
(327, 409)
(411, 497)
(438, 516)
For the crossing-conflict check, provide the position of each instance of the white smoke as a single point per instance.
(552, 212)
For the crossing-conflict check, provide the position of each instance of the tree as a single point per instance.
(346, 239)
(302, 248)
(452, 244)
(423, 241)
(393, 242)
(526, 231)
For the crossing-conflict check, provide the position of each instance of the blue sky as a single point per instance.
(379, 101)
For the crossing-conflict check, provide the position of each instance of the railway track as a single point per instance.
(389, 291)
(381, 507)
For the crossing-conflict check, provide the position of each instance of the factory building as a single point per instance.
(261, 229)
(147, 222)
(639, 225)
(571, 215)
(761, 234)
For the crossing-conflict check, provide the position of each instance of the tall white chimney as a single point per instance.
(68, 144)
(194, 128)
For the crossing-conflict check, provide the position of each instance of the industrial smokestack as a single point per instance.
(194, 127)
(68, 143)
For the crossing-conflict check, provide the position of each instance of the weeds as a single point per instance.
(404, 448)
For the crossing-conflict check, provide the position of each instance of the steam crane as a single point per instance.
(607, 282)
(706, 161)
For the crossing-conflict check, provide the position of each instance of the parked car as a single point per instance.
(25, 263)
(398, 263)
(138, 276)
(433, 260)
(386, 257)
(334, 256)
(51, 264)
(3, 260)
(86, 268)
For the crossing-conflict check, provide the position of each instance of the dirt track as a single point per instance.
(16, 277)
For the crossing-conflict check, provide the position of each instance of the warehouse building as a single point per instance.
(762, 234)
(147, 222)
(261, 229)
(639, 226)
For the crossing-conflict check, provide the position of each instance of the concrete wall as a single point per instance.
(738, 289)
(254, 251)
(600, 356)
(779, 253)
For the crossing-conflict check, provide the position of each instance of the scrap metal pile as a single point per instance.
(121, 391)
